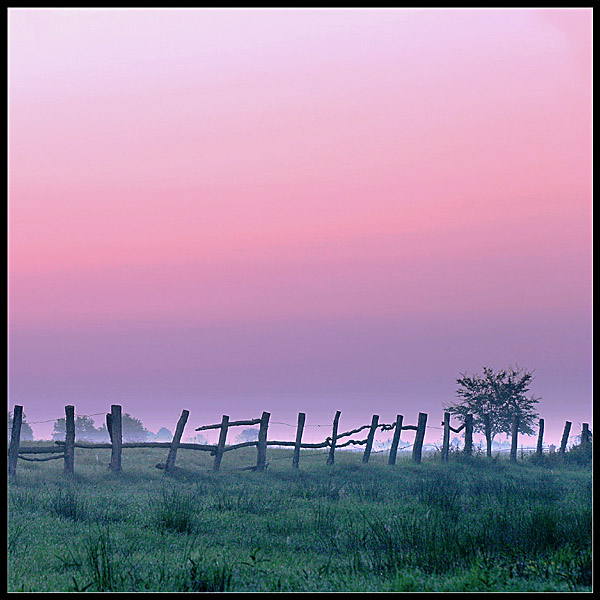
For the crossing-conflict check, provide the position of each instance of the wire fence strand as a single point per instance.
(56, 419)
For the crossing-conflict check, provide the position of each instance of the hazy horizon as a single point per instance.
(295, 210)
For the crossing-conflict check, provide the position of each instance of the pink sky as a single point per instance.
(232, 211)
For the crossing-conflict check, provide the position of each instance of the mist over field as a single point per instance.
(297, 210)
(367, 223)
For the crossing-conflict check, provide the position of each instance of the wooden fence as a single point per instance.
(66, 449)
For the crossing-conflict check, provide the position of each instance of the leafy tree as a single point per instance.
(26, 431)
(499, 394)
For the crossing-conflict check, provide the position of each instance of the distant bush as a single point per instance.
(247, 435)
(162, 435)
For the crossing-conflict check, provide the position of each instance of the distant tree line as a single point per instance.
(494, 395)
(133, 430)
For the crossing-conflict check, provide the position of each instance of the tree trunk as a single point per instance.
(489, 437)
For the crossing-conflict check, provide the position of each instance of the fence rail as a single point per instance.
(65, 449)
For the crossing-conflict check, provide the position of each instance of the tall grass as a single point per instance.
(474, 525)
(172, 509)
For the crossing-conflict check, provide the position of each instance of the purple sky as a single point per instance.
(297, 210)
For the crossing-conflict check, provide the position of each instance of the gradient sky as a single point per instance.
(232, 211)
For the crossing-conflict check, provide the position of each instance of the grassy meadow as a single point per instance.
(467, 525)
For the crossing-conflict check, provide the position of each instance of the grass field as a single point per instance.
(468, 525)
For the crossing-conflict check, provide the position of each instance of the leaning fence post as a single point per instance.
(419, 437)
(515, 434)
(69, 439)
(565, 437)
(370, 438)
(15, 440)
(395, 440)
(336, 420)
(116, 438)
(487, 428)
(540, 441)
(299, 430)
(221, 443)
(468, 435)
(446, 440)
(170, 464)
(261, 456)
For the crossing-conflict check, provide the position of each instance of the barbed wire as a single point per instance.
(57, 418)
(383, 426)
(296, 425)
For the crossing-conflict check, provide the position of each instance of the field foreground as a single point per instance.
(468, 525)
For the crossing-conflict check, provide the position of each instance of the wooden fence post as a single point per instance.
(261, 456)
(419, 437)
(540, 441)
(15, 440)
(69, 439)
(299, 430)
(565, 437)
(585, 434)
(116, 438)
(221, 443)
(370, 438)
(170, 464)
(336, 420)
(515, 434)
(109, 426)
(487, 428)
(446, 439)
(395, 440)
(468, 435)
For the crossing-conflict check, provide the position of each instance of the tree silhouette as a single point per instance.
(501, 395)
